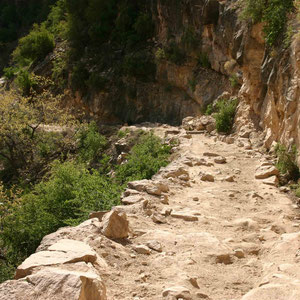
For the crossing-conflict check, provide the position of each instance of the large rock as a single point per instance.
(55, 284)
(64, 251)
(266, 172)
(115, 224)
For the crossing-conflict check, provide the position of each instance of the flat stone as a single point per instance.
(64, 251)
(265, 172)
(141, 249)
(154, 245)
(157, 218)
(132, 199)
(273, 181)
(184, 216)
(220, 160)
(210, 154)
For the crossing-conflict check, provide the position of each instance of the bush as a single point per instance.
(90, 142)
(225, 115)
(286, 162)
(174, 54)
(209, 110)
(189, 38)
(25, 82)
(34, 47)
(273, 13)
(234, 82)
(139, 65)
(145, 159)
(144, 26)
(65, 199)
(203, 60)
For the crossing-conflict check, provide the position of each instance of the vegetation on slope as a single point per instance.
(55, 170)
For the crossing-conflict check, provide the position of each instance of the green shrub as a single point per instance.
(25, 82)
(123, 133)
(225, 115)
(273, 13)
(174, 54)
(189, 38)
(9, 73)
(160, 54)
(286, 162)
(90, 142)
(145, 159)
(65, 198)
(209, 110)
(234, 82)
(34, 46)
(144, 26)
(139, 65)
(79, 77)
(203, 60)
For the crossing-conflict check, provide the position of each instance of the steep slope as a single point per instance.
(203, 228)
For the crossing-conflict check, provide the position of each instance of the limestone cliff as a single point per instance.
(266, 80)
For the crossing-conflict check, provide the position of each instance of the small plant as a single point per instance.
(234, 82)
(25, 82)
(123, 133)
(225, 115)
(160, 54)
(189, 38)
(286, 162)
(209, 110)
(174, 54)
(10, 72)
(203, 60)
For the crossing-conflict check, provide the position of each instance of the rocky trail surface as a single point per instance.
(211, 225)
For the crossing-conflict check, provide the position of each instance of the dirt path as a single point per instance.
(221, 240)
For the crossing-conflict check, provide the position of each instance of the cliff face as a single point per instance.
(266, 81)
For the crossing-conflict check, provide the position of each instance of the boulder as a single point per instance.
(115, 224)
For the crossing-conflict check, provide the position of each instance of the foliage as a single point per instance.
(90, 142)
(64, 199)
(25, 82)
(225, 115)
(145, 159)
(9, 72)
(203, 60)
(234, 82)
(286, 162)
(139, 65)
(123, 133)
(25, 144)
(273, 13)
(209, 110)
(189, 38)
(174, 54)
(160, 54)
(34, 46)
